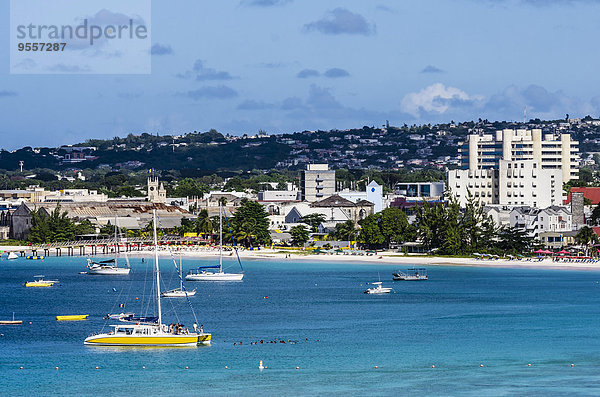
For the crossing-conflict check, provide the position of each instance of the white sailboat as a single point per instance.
(202, 273)
(154, 334)
(12, 255)
(109, 267)
(179, 292)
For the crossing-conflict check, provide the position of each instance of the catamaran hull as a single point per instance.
(215, 277)
(116, 271)
(157, 341)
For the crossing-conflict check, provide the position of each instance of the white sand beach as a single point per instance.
(391, 258)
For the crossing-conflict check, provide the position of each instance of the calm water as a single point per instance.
(459, 319)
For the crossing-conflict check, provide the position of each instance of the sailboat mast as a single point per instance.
(221, 237)
(156, 263)
(180, 271)
(116, 244)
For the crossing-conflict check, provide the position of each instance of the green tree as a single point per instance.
(189, 187)
(346, 231)
(313, 220)
(204, 224)
(370, 233)
(300, 235)
(250, 223)
(394, 226)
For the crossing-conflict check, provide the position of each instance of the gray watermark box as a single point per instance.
(80, 37)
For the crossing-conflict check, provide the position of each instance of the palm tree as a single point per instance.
(586, 236)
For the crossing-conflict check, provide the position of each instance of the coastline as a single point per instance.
(387, 258)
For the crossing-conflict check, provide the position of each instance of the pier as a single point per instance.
(103, 246)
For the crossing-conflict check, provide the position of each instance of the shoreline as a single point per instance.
(387, 258)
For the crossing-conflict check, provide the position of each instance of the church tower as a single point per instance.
(156, 192)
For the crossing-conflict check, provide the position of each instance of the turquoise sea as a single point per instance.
(462, 318)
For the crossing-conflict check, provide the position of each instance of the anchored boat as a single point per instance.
(202, 273)
(378, 289)
(12, 255)
(72, 317)
(180, 292)
(40, 282)
(11, 322)
(154, 334)
(109, 267)
(413, 274)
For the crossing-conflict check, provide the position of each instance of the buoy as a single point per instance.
(297, 367)
(57, 368)
(480, 365)
(97, 367)
(572, 365)
(226, 367)
(260, 365)
(187, 367)
(376, 367)
(529, 365)
(433, 366)
(136, 298)
(30, 322)
(20, 367)
(143, 367)
(266, 297)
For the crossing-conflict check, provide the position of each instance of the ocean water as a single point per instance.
(462, 318)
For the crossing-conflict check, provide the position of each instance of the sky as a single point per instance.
(280, 66)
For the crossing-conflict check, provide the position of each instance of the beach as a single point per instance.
(381, 257)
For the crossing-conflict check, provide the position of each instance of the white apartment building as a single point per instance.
(515, 183)
(549, 150)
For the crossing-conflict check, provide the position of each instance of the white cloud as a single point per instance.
(436, 99)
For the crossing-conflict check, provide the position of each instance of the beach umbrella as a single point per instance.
(548, 252)
(540, 251)
(564, 252)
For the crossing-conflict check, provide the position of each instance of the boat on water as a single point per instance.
(378, 289)
(151, 334)
(413, 274)
(11, 322)
(34, 257)
(40, 282)
(180, 292)
(109, 267)
(72, 317)
(12, 255)
(203, 273)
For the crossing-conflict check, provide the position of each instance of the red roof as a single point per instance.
(590, 193)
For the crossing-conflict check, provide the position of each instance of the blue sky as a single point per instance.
(284, 66)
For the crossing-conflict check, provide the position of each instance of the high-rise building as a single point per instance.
(551, 151)
(318, 182)
(515, 183)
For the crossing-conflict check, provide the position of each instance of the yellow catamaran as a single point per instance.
(151, 333)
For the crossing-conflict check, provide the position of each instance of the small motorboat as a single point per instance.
(72, 317)
(118, 316)
(12, 255)
(378, 289)
(40, 282)
(11, 322)
(411, 275)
